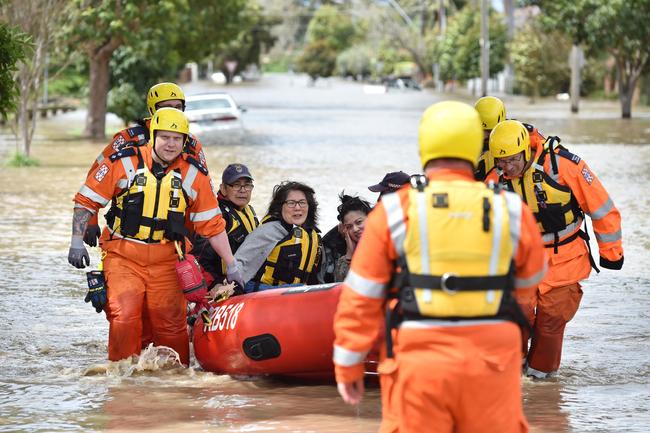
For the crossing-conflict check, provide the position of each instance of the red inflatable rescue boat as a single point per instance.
(284, 332)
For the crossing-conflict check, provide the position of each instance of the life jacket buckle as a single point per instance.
(443, 283)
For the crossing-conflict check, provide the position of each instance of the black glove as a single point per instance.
(96, 290)
(607, 264)
(78, 255)
(92, 234)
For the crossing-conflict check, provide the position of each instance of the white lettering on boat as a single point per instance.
(225, 317)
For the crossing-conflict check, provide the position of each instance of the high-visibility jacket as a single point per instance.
(116, 174)
(360, 313)
(293, 258)
(138, 135)
(560, 189)
(149, 209)
(486, 160)
(464, 276)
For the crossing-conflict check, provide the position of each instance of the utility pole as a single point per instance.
(45, 78)
(485, 47)
(576, 60)
(400, 11)
(509, 8)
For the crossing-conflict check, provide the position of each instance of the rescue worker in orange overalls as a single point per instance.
(152, 189)
(159, 95)
(492, 111)
(455, 254)
(560, 189)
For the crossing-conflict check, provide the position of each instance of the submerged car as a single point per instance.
(213, 112)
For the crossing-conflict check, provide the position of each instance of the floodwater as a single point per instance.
(53, 372)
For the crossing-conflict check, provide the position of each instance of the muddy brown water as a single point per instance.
(53, 374)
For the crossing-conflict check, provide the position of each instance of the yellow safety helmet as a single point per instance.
(508, 138)
(169, 119)
(163, 92)
(491, 110)
(450, 129)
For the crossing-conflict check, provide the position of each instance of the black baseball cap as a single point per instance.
(234, 172)
(391, 182)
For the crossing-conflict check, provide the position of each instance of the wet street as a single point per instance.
(54, 376)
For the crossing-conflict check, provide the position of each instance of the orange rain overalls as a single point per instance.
(446, 376)
(141, 277)
(558, 295)
(138, 135)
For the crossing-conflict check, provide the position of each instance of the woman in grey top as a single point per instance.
(285, 248)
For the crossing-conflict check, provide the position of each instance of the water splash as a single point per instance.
(152, 358)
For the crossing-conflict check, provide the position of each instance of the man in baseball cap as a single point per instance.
(234, 201)
(234, 172)
(390, 183)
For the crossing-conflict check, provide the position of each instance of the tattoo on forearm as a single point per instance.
(80, 220)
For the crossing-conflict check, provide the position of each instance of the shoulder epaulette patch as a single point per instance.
(137, 130)
(528, 126)
(202, 168)
(139, 135)
(570, 156)
(123, 153)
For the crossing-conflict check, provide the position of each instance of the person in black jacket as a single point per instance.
(340, 242)
(234, 198)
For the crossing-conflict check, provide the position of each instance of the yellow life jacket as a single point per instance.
(149, 209)
(555, 208)
(293, 258)
(485, 164)
(457, 251)
(240, 224)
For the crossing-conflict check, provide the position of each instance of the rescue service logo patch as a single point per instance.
(118, 143)
(202, 157)
(589, 177)
(101, 172)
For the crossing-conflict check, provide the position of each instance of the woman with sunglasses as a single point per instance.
(284, 249)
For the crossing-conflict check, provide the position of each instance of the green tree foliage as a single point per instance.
(459, 52)
(99, 27)
(537, 71)
(255, 37)
(356, 61)
(318, 59)
(329, 33)
(619, 27)
(14, 47)
(126, 102)
(161, 35)
(389, 56)
(209, 24)
(332, 26)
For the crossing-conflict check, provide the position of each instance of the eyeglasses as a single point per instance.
(242, 186)
(292, 203)
(510, 160)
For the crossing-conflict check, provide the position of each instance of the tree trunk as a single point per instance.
(576, 62)
(98, 95)
(628, 75)
(98, 86)
(626, 87)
